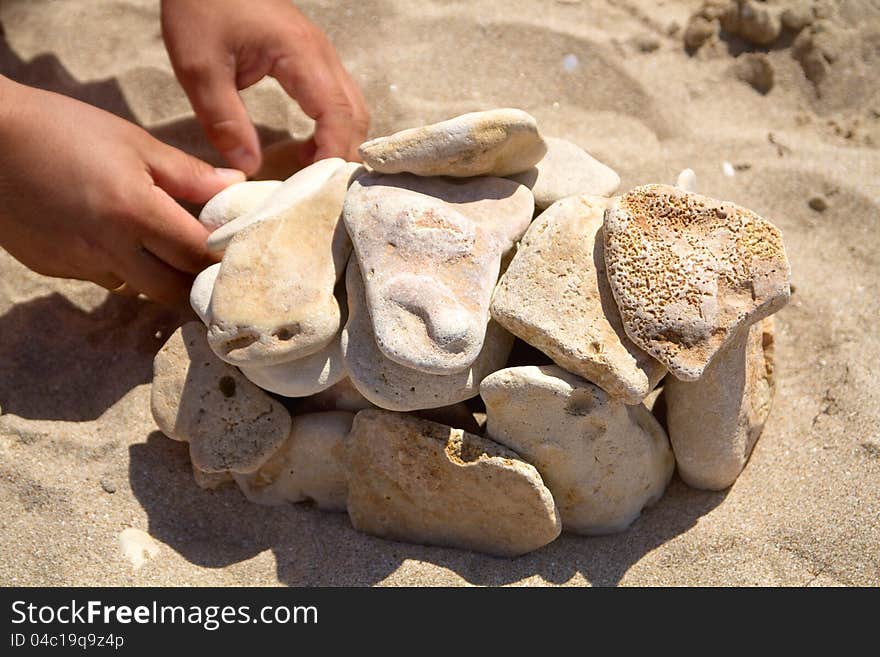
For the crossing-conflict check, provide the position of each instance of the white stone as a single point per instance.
(235, 201)
(200, 293)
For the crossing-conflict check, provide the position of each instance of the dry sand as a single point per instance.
(82, 460)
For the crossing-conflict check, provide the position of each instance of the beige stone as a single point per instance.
(309, 466)
(715, 422)
(497, 142)
(688, 272)
(430, 252)
(273, 298)
(229, 423)
(212, 480)
(567, 170)
(555, 296)
(302, 377)
(201, 291)
(342, 396)
(687, 180)
(395, 387)
(299, 188)
(235, 201)
(417, 481)
(602, 460)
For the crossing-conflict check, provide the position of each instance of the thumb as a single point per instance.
(186, 177)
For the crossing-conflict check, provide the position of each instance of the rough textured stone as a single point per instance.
(602, 460)
(418, 481)
(688, 272)
(310, 465)
(299, 188)
(497, 142)
(235, 201)
(229, 423)
(715, 422)
(390, 385)
(430, 251)
(567, 170)
(555, 296)
(273, 298)
(201, 290)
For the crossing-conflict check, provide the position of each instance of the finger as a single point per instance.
(186, 177)
(107, 280)
(213, 93)
(174, 235)
(145, 272)
(360, 121)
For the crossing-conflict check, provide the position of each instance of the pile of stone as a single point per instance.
(375, 300)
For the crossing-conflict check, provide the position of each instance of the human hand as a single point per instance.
(222, 46)
(87, 195)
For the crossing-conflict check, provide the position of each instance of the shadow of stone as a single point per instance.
(58, 362)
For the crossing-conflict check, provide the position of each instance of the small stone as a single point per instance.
(555, 296)
(759, 23)
(567, 170)
(496, 142)
(201, 291)
(818, 203)
(756, 70)
(273, 298)
(417, 481)
(212, 480)
(797, 15)
(645, 43)
(236, 201)
(603, 461)
(698, 31)
(687, 180)
(689, 272)
(388, 384)
(108, 486)
(715, 422)
(300, 187)
(430, 251)
(309, 466)
(190, 402)
(302, 377)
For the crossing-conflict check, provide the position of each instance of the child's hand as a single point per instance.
(222, 46)
(85, 194)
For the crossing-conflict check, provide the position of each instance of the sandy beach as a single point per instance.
(82, 460)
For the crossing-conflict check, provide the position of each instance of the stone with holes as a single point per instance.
(229, 423)
(689, 272)
(422, 482)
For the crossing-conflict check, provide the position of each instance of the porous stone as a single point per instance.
(497, 142)
(430, 251)
(229, 423)
(273, 298)
(236, 201)
(201, 291)
(715, 422)
(282, 200)
(555, 296)
(602, 460)
(688, 272)
(422, 482)
(566, 170)
(302, 377)
(309, 466)
(395, 387)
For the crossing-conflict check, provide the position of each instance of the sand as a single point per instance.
(82, 461)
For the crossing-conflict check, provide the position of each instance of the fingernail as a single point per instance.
(243, 158)
(231, 175)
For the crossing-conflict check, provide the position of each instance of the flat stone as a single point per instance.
(201, 291)
(602, 460)
(555, 296)
(388, 384)
(418, 481)
(300, 187)
(689, 272)
(303, 377)
(567, 170)
(229, 423)
(715, 422)
(273, 298)
(430, 251)
(497, 142)
(309, 466)
(235, 201)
